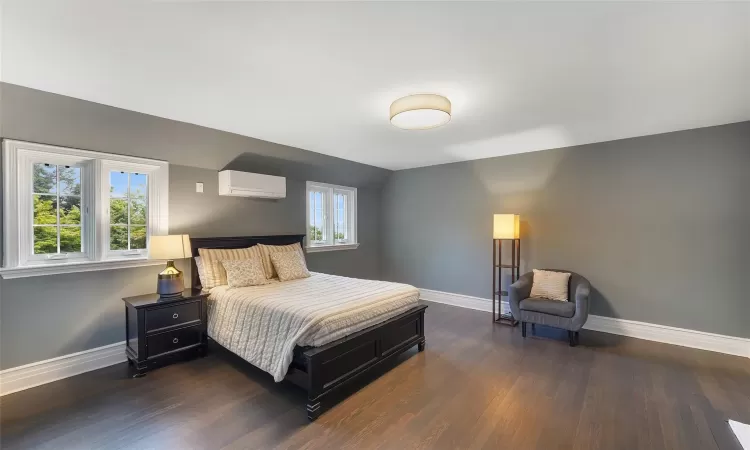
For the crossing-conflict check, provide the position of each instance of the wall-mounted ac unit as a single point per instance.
(245, 184)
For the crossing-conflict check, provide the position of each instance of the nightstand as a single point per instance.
(158, 328)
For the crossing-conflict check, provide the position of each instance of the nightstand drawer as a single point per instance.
(170, 316)
(158, 344)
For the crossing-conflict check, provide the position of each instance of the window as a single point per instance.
(71, 210)
(128, 212)
(57, 221)
(331, 217)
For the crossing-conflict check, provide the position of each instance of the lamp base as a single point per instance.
(171, 282)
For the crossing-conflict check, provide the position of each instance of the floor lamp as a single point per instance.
(506, 227)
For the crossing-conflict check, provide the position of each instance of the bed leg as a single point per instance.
(313, 410)
(421, 346)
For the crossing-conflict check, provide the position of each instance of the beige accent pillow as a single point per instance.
(215, 274)
(201, 274)
(551, 285)
(245, 272)
(268, 250)
(289, 265)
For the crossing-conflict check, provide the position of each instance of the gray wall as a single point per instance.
(660, 225)
(49, 316)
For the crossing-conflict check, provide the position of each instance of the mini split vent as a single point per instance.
(245, 184)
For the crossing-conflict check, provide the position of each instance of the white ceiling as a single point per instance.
(521, 76)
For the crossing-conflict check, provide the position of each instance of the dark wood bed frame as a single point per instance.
(323, 370)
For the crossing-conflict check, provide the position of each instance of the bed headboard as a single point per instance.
(236, 242)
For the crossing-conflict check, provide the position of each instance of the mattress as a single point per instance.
(263, 324)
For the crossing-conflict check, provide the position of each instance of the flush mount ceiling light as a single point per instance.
(420, 111)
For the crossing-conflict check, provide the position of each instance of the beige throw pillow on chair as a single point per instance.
(289, 265)
(551, 285)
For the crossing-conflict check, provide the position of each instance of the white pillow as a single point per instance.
(551, 285)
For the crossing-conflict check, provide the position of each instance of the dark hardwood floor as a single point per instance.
(476, 386)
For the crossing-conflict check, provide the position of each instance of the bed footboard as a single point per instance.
(322, 370)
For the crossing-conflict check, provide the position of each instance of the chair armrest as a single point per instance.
(581, 289)
(518, 291)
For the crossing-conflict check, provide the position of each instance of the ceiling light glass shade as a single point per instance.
(420, 111)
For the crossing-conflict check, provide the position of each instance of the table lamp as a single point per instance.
(171, 247)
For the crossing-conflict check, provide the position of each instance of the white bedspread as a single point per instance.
(263, 324)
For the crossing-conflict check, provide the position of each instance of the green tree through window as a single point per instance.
(57, 209)
(128, 211)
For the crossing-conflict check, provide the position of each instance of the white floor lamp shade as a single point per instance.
(506, 226)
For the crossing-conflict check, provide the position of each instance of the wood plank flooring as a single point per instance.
(476, 386)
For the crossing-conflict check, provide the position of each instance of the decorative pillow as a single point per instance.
(289, 265)
(551, 285)
(245, 272)
(211, 258)
(268, 250)
(201, 274)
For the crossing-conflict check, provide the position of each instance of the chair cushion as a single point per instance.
(547, 306)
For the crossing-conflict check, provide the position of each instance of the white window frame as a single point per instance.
(329, 242)
(27, 160)
(18, 160)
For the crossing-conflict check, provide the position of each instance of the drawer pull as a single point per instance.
(175, 340)
(175, 315)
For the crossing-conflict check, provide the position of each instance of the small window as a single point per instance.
(341, 202)
(128, 211)
(57, 224)
(331, 217)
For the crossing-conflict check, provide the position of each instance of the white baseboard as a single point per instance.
(642, 330)
(671, 335)
(38, 373)
(463, 301)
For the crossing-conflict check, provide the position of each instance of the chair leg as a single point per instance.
(572, 335)
(533, 329)
(523, 329)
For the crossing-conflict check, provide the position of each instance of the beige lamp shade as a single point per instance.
(507, 226)
(173, 246)
(420, 111)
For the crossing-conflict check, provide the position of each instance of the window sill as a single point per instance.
(330, 248)
(75, 267)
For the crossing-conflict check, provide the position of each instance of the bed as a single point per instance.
(359, 324)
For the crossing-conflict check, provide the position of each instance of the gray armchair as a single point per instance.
(570, 315)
